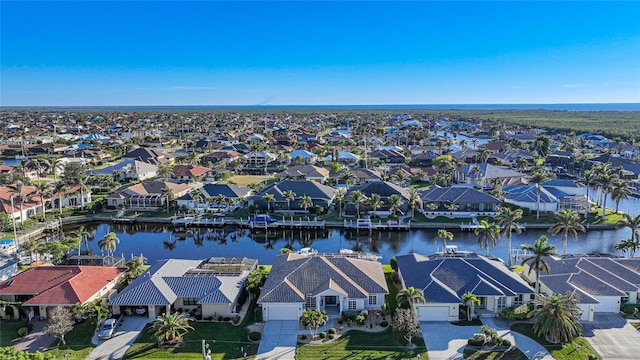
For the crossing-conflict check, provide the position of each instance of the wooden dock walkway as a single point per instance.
(367, 224)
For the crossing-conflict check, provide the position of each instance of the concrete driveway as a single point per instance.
(36, 340)
(125, 335)
(447, 341)
(279, 339)
(612, 337)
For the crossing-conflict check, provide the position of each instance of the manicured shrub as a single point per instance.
(360, 319)
(384, 324)
(349, 315)
(332, 336)
(516, 313)
(506, 342)
(323, 335)
(393, 263)
(198, 316)
(332, 331)
(255, 336)
(236, 320)
(303, 337)
(226, 318)
(23, 331)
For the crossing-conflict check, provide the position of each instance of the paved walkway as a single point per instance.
(447, 341)
(125, 335)
(612, 337)
(36, 340)
(279, 340)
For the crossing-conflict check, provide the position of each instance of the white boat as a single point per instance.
(8, 246)
(360, 254)
(307, 251)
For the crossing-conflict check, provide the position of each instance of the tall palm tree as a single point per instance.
(627, 245)
(41, 190)
(394, 202)
(167, 194)
(557, 317)
(18, 193)
(488, 234)
(508, 220)
(164, 171)
(539, 250)
(567, 222)
(588, 179)
(631, 222)
(347, 177)
(306, 202)
(313, 319)
(357, 199)
(170, 328)
(606, 181)
(538, 178)
(340, 192)
(60, 188)
(84, 235)
(269, 198)
(444, 235)
(414, 201)
(135, 267)
(407, 297)
(109, 243)
(619, 191)
(375, 201)
(289, 195)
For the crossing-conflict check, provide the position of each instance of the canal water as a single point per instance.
(160, 242)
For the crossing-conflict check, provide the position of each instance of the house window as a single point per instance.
(351, 305)
(502, 302)
(190, 301)
(518, 300)
(311, 302)
(373, 300)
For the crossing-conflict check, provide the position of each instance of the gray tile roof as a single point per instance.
(457, 195)
(596, 276)
(446, 279)
(488, 171)
(163, 283)
(294, 276)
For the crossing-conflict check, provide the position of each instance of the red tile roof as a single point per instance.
(190, 170)
(60, 285)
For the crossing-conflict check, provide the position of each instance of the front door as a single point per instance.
(330, 300)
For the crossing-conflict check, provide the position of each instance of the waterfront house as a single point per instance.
(40, 288)
(444, 278)
(306, 156)
(382, 188)
(463, 199)
(206, 288)
(332, 283)
(390, 157)
(233, 194)
(188, 173)
(145, 195)
(148, 155)
(343, 157)
(604, 282)
(8, 265)
(321, 195)
(480, 174)
(225, 157)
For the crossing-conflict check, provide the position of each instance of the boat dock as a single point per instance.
(367, 224)
(195, 221)
(519, 254)
(471, 226)
(256, 224)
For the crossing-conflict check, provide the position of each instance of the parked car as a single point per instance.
(108, 329)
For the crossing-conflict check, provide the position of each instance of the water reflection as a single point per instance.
(161, 242)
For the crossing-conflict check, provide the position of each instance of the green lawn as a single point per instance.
(225, 342)
(577, 349)
(9, 332)
(393, 290)
(78, 340)
(362, 345)
(246, 180)
(511, 354)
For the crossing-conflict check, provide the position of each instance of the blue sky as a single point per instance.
(294, 53)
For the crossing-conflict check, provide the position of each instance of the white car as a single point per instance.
(108, 329)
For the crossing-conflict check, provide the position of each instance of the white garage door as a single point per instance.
(433, 313)
(283, 313)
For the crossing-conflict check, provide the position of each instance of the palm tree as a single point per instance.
(164, 171)
(620, 190)
(632, 222)
(539, 251)
(170, 328)
(508, 220)
(414, 201)
(347, 177)
(17, 192)
(471, 301)
(109, 243)
(357, 199)
(557, 317)
(289, 195)
(394, 202)
(167, 194)
(567, 222)
(375, 201)
(60, 188)
(407, 297)
(588, 179)
(340, 192)
(306, 202)
(81, 182)
(269, 198)
(84, 235)
(444, 235)
(627, 245)
(41, 190)
(606, 181)
(135, 267)
(487, 234)
(538, 178)
(313, 319)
